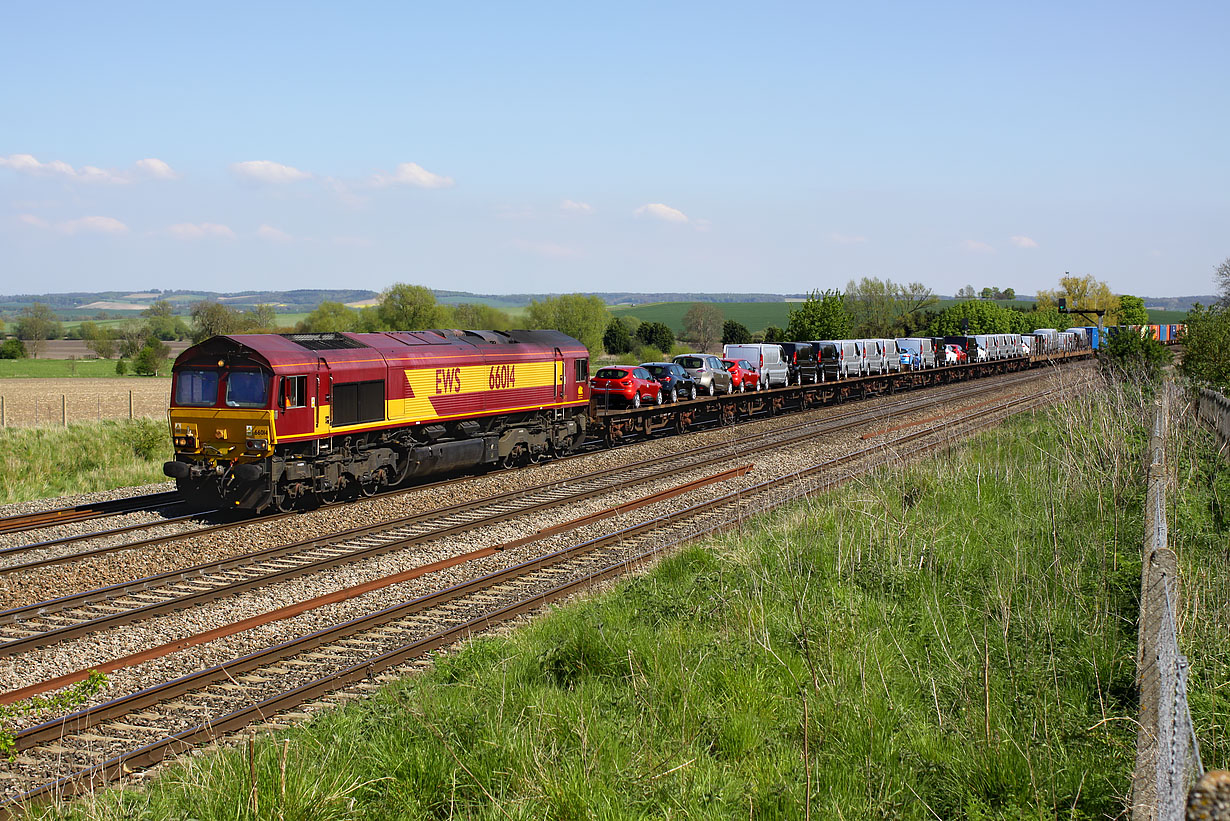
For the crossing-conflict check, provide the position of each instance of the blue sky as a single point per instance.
(507, 147)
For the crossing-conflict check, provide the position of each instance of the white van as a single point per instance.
(767, 358)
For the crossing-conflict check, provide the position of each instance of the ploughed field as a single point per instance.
(53, 401)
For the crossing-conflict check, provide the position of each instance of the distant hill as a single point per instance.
(1178, 303)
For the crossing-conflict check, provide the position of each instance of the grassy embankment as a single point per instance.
(953, 639)
(40, 462)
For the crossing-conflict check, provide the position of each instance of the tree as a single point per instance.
(1128, 355)
(735, 333)
(151, 357)
(12, 349)
(405, 307)
(163, 323)
(702, 324)
(210, 318)
(657, 334)
(1221, 278)
(1206, 345)
(774, 334)
(986, 293)
(262, 319)
(881, 308)
(477, 316)
(616, 339)
(978, 318)
(584, 318)
(1132, 310)
(1083, 292)
(967, 292)
(822, 316)
(98, 339)
(130, 337)
(329, 317)
(36, 324)
(1009, 293)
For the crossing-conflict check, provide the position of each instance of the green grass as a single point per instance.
(58, 368)
(36, 463)
(953, 639)
(1162, 317)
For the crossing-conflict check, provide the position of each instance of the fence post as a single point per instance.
(1, 411)
(63, 410)
(130, 404)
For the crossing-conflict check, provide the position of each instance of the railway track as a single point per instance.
(49, 622)
(93, 510)
(88, 748)
(54, 553)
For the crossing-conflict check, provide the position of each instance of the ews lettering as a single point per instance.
(448, 380)
(502, 376)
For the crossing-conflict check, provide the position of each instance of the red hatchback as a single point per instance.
(742, 374)
(628, 383)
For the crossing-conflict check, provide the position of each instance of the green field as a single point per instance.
(57, 368)
(1159, 317)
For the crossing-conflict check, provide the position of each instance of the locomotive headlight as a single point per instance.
(258, 444)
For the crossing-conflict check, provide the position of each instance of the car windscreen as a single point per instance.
(247, 389)
(691, 362)
(610, 373)
(658, 370)
(196, 389)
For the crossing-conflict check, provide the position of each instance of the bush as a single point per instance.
(617, 339)
(657, 334)
(12, 349)
(121, 367)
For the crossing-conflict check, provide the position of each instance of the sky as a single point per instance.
(637, 146)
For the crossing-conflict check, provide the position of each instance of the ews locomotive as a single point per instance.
(278, 420)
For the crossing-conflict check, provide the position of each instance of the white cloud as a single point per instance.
(662, 212)
(550, 250)
(576, 207)
(190, 230)
(846, 239)
(267, 171)
(155, 168)
(273, 234)
(30, 219)
(413, 174)
(1023, 242)
(97, 225)
(977, 247)
(147, 168)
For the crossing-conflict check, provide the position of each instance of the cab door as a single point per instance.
(559, 376)
(295, 403)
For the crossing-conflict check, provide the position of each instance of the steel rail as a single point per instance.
(110, 592)
(93, 510)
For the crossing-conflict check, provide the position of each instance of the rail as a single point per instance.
(1169, 782)
(1213, 409)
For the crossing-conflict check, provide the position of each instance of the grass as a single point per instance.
(952, 639)
(37, 463)
(58, 368)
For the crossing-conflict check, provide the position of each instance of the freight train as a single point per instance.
(264, 421)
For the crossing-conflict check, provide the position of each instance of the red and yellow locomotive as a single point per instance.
(279, 420)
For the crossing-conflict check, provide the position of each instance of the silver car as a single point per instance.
(710, 374)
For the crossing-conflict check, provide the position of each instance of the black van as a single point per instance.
(801, 360)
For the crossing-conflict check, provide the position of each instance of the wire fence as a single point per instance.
(1168, 767)
(1213, 409)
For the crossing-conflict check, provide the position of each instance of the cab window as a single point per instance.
(582, 369)
(294, 392)
(196, 389)
(247, 389)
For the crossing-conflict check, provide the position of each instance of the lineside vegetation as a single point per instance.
(42, 462)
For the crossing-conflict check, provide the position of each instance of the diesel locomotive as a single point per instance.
(263, 421)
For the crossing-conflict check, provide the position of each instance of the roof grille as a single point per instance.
(324, 342)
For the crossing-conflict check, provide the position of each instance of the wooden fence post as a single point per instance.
(130, 404)
(63, 410)
(1, 411)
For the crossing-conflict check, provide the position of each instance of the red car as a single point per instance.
(954, 355)
(743, 374)
(630, 383)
